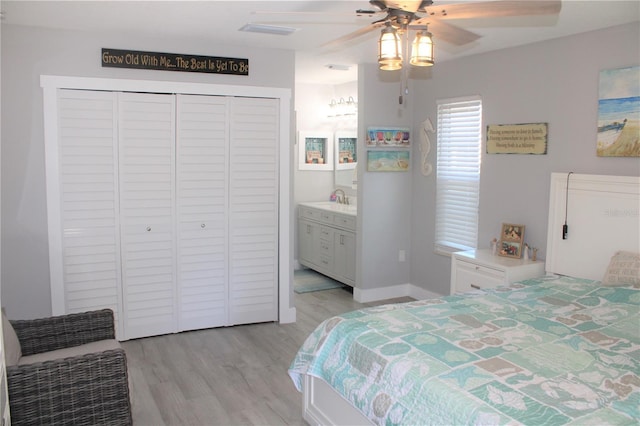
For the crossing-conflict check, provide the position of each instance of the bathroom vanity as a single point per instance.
(327, 239)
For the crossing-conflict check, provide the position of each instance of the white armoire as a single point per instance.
(164, 208)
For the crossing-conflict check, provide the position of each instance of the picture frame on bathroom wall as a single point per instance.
(315, 151)
(388, 137)
(346, 150)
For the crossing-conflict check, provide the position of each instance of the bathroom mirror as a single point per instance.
(346, 158)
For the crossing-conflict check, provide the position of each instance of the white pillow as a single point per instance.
(623, 269)
(12, 349)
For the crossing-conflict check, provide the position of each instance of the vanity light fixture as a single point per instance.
(343, 108)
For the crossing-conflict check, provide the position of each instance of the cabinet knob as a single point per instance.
(203, 225)
(148, 229)
(477, 287)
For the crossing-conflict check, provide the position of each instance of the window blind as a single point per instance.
(459, 141)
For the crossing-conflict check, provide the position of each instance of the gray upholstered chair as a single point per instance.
(66, 370)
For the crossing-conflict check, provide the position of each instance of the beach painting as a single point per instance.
(388, 161)
(619, 113)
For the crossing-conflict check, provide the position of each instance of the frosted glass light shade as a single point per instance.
(389, 49)
(422, 50)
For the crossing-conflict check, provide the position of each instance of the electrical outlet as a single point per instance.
(401, 256)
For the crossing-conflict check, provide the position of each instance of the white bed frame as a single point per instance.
(603, 217)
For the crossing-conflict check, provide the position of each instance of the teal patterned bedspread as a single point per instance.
(540, 352)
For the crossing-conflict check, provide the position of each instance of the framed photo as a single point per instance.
(345, 148)
(315, 151)
(388, 137)
(388, 161)
(511, 240)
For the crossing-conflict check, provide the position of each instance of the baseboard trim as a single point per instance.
(391, 292)
(287, 316)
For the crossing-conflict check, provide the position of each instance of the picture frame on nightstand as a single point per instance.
(511, 240)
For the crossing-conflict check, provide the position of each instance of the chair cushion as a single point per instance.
(93, 347)
(12, 349)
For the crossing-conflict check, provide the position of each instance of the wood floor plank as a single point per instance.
(231, 375)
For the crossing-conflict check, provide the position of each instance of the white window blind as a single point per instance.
(459, 134)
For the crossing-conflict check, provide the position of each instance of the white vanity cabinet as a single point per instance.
(477, 269)
(327, 240)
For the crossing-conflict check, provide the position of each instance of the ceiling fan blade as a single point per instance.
(491, 9)
(447, 32)
(338, 42)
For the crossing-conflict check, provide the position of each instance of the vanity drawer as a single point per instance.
(326, 217)
(308, 213)
(343, 221)
(326, 262)
(326, 234)
(326, 248)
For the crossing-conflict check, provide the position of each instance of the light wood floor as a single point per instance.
(227, 376)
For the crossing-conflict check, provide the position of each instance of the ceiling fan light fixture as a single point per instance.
(422, 50)
(389, 49)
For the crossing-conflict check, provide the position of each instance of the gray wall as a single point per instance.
(555, 82)
(384, 198)
(28, 53)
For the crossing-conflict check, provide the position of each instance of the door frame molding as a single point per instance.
(50, 85)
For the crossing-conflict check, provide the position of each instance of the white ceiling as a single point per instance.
(220, 20)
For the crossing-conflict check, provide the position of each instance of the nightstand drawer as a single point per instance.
(479, 269)
(474, 277)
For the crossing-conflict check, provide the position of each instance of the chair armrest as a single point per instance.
(64, 331)
(89, 389)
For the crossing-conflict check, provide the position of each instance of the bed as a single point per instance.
(560, 349)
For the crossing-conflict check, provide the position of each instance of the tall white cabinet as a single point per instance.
(166, 209)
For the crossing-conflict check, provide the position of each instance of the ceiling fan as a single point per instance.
(430, 19)
(418, 14)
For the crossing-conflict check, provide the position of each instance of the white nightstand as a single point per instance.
(476, 269)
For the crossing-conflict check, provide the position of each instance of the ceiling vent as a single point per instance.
(268, 29)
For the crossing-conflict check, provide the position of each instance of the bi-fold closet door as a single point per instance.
(168, 209)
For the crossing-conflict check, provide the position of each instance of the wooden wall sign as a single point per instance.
(528, 138)
(117, 58)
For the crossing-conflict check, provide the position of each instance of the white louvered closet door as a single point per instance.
(147, 213)
(87, 251)
(253, 210)
(202, 195)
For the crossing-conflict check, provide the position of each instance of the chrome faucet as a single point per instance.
(342, 197)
